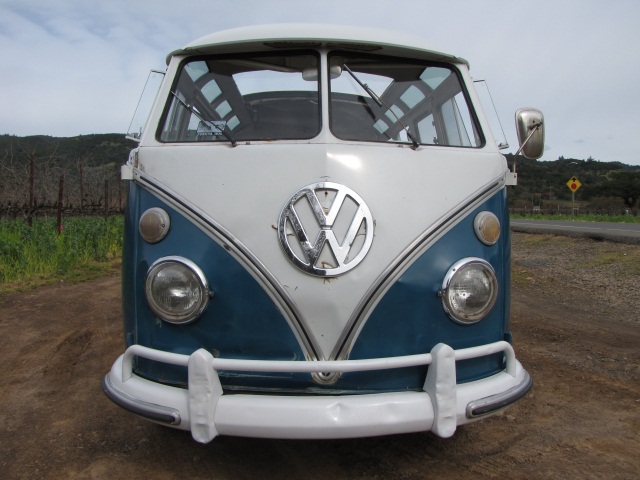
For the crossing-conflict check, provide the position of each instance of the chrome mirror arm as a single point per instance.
(534, 128)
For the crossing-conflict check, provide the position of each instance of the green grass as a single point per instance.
(30, 256)
(580, 218)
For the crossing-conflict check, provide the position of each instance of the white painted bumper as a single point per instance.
(207, 412)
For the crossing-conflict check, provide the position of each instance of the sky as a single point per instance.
(76, 67)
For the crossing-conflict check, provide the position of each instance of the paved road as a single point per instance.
(613, 232)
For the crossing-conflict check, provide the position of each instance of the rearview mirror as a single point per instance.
(530, 129)
(311, 74)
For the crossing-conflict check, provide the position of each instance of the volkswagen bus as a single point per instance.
(317, 240)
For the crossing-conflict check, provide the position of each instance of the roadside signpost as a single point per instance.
(573, 184)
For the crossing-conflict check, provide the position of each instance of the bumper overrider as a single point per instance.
(207, 412)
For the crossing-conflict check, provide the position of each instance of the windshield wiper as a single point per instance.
(381, 104)
(211, 123)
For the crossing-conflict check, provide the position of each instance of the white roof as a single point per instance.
(268, 37)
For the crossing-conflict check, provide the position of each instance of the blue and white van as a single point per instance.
(317, 241)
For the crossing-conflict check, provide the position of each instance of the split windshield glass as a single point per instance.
(380, 99)
(254, 97)
(243, 98)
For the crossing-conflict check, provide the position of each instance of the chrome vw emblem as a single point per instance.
(338, 220)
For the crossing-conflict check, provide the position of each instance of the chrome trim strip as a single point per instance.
(488, 405)
(231, 244)
(157, 413)
(404, 261)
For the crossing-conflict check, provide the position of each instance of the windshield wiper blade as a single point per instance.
(222, 130)
(381, 104)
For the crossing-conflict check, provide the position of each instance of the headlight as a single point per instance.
(176, 290)
(469, 290)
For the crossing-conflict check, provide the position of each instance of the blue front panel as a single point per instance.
(410, 318)
(242, 321)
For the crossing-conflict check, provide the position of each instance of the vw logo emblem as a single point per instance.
(338, 221)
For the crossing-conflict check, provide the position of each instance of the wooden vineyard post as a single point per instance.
(59, 211)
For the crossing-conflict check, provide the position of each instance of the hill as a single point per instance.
(604, 185)
(88, 161)
(94, 150)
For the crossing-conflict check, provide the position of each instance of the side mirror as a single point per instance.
(530, 128)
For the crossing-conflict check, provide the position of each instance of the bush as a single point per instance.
(38, 253)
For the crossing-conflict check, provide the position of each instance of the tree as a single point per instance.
(626, 185)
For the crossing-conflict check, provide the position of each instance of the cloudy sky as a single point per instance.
(72, 67)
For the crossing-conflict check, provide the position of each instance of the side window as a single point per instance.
(148, 97)
(454, 126)
(427, 130)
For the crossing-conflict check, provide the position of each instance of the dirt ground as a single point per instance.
(576, 327)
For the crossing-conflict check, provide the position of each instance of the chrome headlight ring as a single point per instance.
(177, 290)
(469, 290)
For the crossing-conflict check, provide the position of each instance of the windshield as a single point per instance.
(241, 98)
(380, 99)
(249, 97)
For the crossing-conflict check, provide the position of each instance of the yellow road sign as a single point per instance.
(574, 184)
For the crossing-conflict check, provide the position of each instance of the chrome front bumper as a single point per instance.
(207, 412)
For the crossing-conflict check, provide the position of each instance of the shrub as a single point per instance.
(40, 252)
